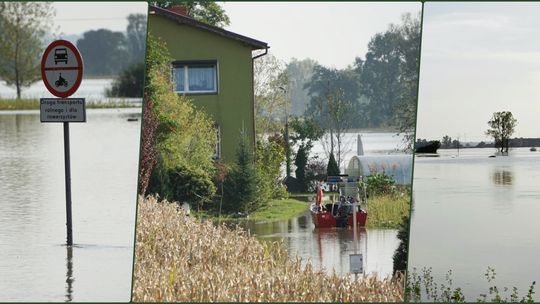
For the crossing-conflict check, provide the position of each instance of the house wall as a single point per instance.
(232, 106)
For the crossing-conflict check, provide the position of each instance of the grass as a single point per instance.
(387, 211)
(422, 287)
(280, 209)
(178, 258)
(33, 104)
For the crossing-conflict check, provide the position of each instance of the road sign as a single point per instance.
(356, 263)
(61, 68)
(62, 110)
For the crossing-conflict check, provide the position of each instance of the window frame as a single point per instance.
(184, 64)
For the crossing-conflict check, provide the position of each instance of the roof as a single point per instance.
(255, 44)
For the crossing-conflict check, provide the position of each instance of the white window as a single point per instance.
(195, 77)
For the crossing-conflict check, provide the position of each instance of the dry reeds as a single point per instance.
(181, 259)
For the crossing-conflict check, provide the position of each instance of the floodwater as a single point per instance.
(374, 143)
(91, 89)
(330, 248)
(35, 265)
(471, 211)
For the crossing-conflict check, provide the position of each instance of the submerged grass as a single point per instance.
(33, 104)
(181, 259)
(387, 211)
(280, 209)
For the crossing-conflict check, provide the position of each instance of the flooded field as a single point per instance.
(91, 89)
(330, 248)
(35, 265)
(471, 211)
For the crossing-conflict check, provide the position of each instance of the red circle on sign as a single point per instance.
(79, 68)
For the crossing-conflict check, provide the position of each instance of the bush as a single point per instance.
(401, 253)
(185, 137)
(270, 156)
(190, 185)
(129, 83)
(380, 183)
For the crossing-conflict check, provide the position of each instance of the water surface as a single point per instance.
(330, 248)
(35, 265)
(471, 212)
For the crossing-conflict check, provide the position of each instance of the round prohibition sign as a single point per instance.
(61, 68)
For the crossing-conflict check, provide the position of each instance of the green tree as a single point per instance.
(129, 83)
(336, 105)
(332, 169)
(23, 26)
(136, 37)
(447, 142)
(301, 162)
(185, 137)
(389, 75)
(104, 52)
(205, 11)
(240, 185)
(269, 158)
(299, 73)
(305, 131)
(501, 127)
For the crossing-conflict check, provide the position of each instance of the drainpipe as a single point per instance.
(253, 95)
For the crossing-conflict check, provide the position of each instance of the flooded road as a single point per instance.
(35, 265)
(471, 211)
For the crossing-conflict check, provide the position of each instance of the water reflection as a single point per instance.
(329, 248)
(69, 274)
(502, 176)
(486, 204)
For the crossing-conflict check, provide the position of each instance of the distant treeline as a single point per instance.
(514, 142)
(107, 53)
(378, 90)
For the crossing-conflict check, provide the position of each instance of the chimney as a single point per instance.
(178, 9)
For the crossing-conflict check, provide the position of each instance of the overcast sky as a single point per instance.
(78, 17)
(478, 58)
(333, 33)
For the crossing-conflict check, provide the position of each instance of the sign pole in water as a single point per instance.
(61, 71)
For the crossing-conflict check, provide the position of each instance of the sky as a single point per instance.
(333, 33)
(79, 17)
(478, 58)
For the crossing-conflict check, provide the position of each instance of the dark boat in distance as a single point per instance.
(430, 147)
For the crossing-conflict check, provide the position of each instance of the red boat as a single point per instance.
(335, 214)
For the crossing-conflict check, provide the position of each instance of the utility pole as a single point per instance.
(287, 145)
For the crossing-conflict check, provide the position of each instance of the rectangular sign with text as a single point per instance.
(62, 110)
(356, 263)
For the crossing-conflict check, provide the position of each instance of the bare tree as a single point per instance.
(23, 26)
(271, 99)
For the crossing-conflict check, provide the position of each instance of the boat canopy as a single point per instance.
(397, 166)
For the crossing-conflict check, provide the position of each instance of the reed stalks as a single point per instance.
(179, 258)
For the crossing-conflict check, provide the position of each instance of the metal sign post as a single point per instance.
(61, 71)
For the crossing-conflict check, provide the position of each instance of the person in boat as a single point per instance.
(342, 212)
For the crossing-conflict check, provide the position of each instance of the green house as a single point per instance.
(214, 68)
